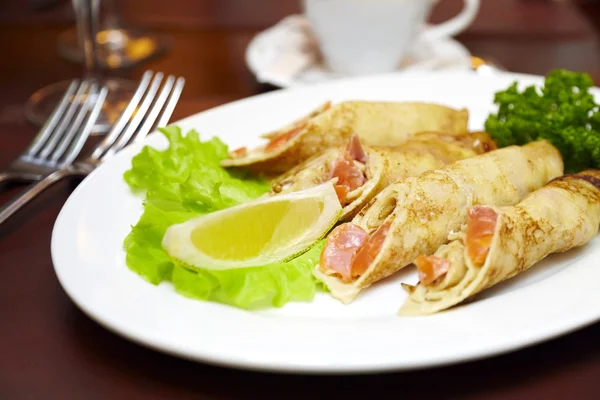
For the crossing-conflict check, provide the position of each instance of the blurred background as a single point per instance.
(206, 41)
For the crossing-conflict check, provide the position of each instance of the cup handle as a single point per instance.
(455, 25)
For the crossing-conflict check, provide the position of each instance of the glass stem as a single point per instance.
(113, 16)
(87, 19)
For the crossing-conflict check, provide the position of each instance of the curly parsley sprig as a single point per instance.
(563, 112)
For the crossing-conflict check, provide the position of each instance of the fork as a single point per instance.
(61, 138)
(145, 112)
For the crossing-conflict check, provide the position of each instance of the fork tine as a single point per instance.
(88, 125)
(66, 120)
(139, 115)
(55, 117)
(163, 120)
(75, 126)
(155, 110)
(172, 92)
(124, 118)
(166, 112)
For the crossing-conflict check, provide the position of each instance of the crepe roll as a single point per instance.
(415, 215)
(376, 123)
(498, 243)
(360, 171)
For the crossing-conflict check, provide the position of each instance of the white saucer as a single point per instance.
(287, 55)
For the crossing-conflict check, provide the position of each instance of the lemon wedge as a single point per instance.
(262, 232)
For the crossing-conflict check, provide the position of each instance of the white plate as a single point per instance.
(553, 298)
(287, 55)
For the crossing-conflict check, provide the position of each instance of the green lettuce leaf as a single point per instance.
(253, 288)
(184, 181)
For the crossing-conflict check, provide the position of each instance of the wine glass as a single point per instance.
(41, 104)
(117, 46)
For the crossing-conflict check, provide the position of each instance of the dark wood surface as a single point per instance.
(50, 350)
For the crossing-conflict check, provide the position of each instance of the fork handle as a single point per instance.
(30, 192)
(5, 177)
(18, 176)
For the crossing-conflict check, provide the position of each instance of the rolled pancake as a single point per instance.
(558, 217)
(383, 165)
(376, 123)
(415, 215)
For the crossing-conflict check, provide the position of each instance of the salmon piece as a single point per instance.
(339, 251)
(348, 174)
(342, 193)
(431, 268)
(481, 222)
(241, 152)
(367, 253)
(282, 139)
(355, 150)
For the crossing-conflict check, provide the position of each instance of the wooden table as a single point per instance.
(50, 350)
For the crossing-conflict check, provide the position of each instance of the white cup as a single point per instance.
(370, 36)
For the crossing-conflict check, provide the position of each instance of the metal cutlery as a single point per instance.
(150, 107)
(61, 139)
